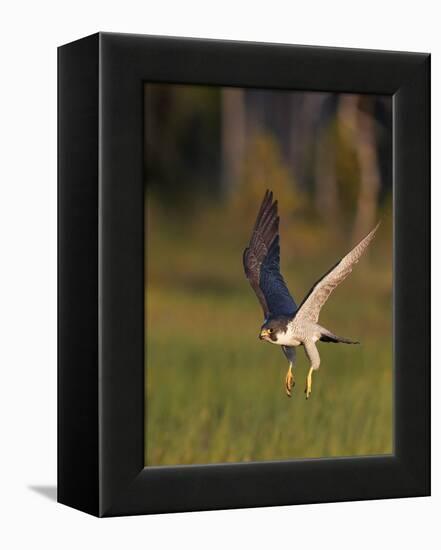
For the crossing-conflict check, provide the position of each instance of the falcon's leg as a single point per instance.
(314, 359)
(308, 388)
(290, 354)
(289, 381)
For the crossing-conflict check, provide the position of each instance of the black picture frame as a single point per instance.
(101, 279)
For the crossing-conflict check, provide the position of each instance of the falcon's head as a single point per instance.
(274, 329)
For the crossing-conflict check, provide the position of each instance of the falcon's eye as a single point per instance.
(270, 330)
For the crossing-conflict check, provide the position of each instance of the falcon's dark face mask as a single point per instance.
(268, 333)
(272, 328)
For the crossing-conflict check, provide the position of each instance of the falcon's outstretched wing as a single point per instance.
(261, 261)
(309, 309)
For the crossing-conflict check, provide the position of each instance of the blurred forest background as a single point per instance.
(215, 393)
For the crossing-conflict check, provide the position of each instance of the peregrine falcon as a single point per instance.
(285, 324)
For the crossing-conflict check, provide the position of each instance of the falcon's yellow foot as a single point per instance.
(308, 388)
(289, 381)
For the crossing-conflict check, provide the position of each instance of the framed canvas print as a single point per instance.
(244, 260)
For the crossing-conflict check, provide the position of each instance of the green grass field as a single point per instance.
(215, 393)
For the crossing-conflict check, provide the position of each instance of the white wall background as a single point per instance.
(30, 33)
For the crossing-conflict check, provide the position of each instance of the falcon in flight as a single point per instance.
(285, 324)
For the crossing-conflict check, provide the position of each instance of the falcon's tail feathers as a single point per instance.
(328, 336)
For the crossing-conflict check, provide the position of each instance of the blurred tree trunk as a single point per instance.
(366, 216)
(326, 192)
(300, 133)
(306, 110)
(233, 136)
(362, 130)
(325, 176)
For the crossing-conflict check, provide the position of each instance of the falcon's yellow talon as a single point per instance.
(308, 388)
(289, 381)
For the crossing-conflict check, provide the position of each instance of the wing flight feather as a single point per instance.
(261, 260)
(310, 308)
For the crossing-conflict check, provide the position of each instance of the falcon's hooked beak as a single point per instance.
(264, 334)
